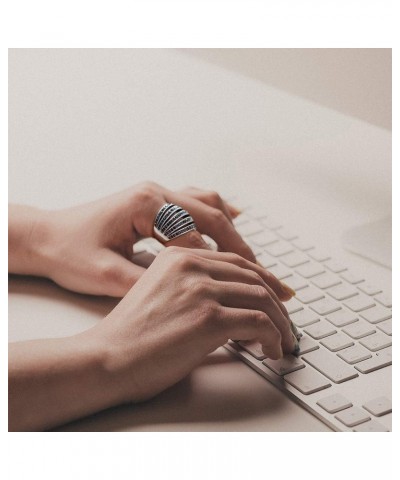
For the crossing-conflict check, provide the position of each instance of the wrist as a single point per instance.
(98, 366)
(29, 240)
(121, 362)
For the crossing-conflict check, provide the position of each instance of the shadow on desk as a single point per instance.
(45, 289)
(211, 398)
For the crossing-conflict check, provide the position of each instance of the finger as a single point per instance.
(146, 204)
(235, 212)
(282, 291)
(215, 224)
(230, 272)
(191, 239)
(117, 275)
(252, 325)
(210, 198)
(256, 297)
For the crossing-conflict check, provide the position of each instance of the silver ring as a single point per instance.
(172, 221)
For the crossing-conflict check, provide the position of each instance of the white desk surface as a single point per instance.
(85, 123)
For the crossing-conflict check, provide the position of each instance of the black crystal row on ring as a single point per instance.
(173, 221)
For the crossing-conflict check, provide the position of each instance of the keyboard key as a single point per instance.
(325, 306)
(309, 270)
(286, 234)
(329, 365)
(240, 220)
(376, 314)
(341, 318)
(352, 416)
(371, 426)
(293, 305)
(369, 289)
(307, 381)
(337, 342)
(266, 260)
(354, 354)
(325, 280)
(309, 295)
(304, 317)
(320, 330)
(254, 348)
(307, 345)
(376, 342)
(264, 238)
(249, 228)
(257, 212)
(335, 266)
(379, 406)
(271, 223)
(295, 259)
(280, 271)
(302, 245)
(359, 303)
(380, 360)
(277, 249)
(359, 329)
(342, 291)
(318, 255)
(286, 364)
(384, 300)
(296, 282)
(351, 278)
(334, 403)
(258, 251)
(386, 327)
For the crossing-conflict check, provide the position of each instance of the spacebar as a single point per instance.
(330, 366)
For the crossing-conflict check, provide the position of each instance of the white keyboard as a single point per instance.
(342, 373)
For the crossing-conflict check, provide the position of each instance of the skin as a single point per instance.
(137, 350)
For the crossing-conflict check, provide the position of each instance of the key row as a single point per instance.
(338, 368)
(352, 416)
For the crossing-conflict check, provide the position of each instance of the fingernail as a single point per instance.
(235, 211)
(288, 290)
(296, 348)
(296, 333)
(280, 351)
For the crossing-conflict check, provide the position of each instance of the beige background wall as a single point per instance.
(356, 82)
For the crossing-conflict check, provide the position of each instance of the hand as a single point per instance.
(188, 303)
(88, 248)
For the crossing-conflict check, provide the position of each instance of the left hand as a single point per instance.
(88, 248)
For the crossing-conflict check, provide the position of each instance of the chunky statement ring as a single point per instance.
(172, 222)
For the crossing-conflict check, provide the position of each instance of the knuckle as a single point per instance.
(261, 293)
(145, 192)
(202, 288)
(214, 197)
(149, 185)
(257, 279)
(236, 259)
(259, 319)
(184, 259)
(218, 217)
(209, 314)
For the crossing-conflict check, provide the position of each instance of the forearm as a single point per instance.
(55, 381)
(27, 239)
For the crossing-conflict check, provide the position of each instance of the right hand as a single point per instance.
(187, 304)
